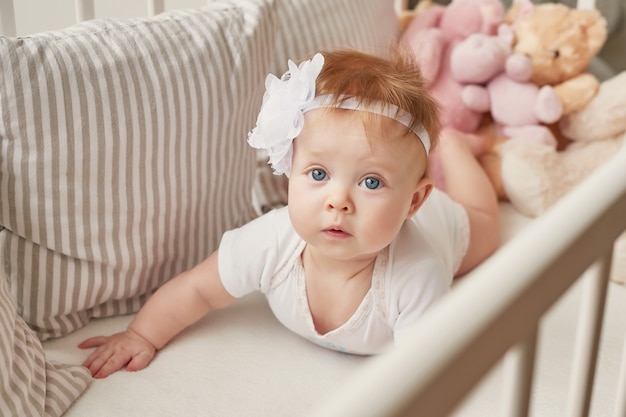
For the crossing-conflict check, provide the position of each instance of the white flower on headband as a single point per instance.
(281, 117)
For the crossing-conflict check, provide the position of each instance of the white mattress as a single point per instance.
(241, 362)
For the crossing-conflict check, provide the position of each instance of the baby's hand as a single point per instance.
(114, 352)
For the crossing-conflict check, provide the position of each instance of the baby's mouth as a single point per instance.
(336, 232)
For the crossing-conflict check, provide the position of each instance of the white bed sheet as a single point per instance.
(241, 362)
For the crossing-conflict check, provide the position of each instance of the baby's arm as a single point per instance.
(468, 184)
(177, 304)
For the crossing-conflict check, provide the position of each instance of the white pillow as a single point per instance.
(124, 156)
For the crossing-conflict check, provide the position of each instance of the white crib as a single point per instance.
(493, 317)
(523, 281)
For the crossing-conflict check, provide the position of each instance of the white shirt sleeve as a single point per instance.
(447, 225)
(439, 237)
(250, 256)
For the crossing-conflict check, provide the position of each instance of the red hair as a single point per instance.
(395, 79)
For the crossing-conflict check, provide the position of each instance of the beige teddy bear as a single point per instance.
(560, 41)
(535, 176)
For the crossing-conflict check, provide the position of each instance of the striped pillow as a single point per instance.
(123, 155)
(307, 26)
(29, 385)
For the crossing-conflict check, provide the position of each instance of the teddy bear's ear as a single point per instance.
(594, 25)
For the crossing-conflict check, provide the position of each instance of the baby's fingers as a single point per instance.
(140, 361)
(93, 342)
(97, 360)
(113, 364)
(114, 352)
(102, 351)
(103, 363)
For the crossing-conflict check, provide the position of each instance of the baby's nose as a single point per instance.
(340, 200)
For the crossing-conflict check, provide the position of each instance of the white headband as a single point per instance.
(281, 117)
(376, 107)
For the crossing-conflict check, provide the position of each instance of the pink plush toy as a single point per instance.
(499, 82)
(433, 34)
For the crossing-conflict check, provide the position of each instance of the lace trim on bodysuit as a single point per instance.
(288, 269)
(373, 299)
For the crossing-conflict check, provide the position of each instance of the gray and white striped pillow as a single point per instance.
(123, 154)
(30, 385)
(307, 26)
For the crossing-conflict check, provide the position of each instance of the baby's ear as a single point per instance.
(421, 193)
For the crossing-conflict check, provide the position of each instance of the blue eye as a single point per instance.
(372, 183)
(318, 174)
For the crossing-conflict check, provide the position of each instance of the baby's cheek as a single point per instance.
(384, 229)
(300, 215)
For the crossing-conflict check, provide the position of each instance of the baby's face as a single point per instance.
(349, 193)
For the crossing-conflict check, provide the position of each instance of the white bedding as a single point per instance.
(241, 362)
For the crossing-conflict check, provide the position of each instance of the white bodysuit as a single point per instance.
(409, 275)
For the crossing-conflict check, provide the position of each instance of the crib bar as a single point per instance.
(401, 5)
(7, 18)
(588, 337)
(525, 277)
(620, 404)
(155, 7)
(519, 365)
(580, 4)
(586, 4)
(85, 10)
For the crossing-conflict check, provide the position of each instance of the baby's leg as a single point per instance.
(477, 145)
(467, 183)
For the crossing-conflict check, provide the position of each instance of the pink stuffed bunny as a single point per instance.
(433, 34)
(499, 82)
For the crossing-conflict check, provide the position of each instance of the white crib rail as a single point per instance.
(7, 18)
(433, 372)
(83, 10)
(586, 346)
(86, 10)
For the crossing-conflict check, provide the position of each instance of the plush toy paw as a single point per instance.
(576, 93)
(532, 134)
(604, 117)
(548, 106)
(476, 97)
(519, 67)
(535, 176)
(528, 174)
